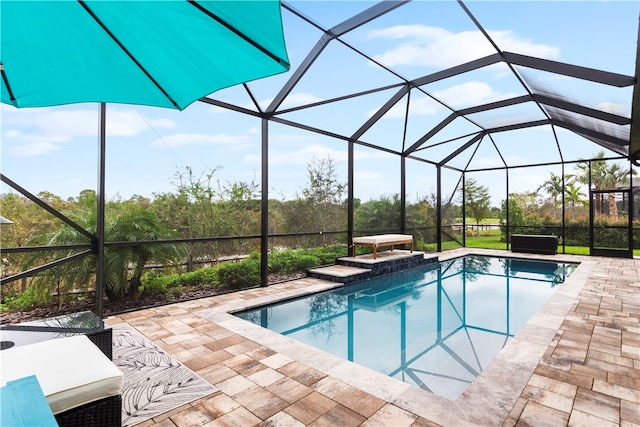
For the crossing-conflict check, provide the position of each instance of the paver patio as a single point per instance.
(575, 363)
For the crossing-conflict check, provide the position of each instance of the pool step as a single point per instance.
(362, 267)
(340, 273)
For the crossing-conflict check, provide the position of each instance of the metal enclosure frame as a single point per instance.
(554, 107)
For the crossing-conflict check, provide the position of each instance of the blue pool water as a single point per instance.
(435, 327)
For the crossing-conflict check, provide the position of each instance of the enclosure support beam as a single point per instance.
(45, 206)
(631, 210)
(350, 194)
(439, 208)
(381, 112)
(634, 133)
(591, 211)
(403, 195)
(264, 211)
(582, 110)
(458, 69)
(466, 145)
(507, 231)
(44, 267)
(564, 211)
(429, 134)
(575, 71)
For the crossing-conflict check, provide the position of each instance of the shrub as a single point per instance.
(328, 254)
(239, 275)
(28, 299)
(302, 262)
(192, 278)
(208, 276)
(281, 261)
(298, 260)
(157, 284)
(292, 261)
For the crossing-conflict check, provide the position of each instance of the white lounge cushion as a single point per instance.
(71, 371)
(382, 239)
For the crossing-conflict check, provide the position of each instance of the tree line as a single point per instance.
(219, 219)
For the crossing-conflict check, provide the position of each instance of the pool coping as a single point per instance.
(495, 390)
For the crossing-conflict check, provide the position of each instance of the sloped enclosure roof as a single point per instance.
(462, 81)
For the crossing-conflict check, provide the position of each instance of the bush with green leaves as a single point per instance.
(228, 275)
(157, 284)
(192, 278)
(303, 262)
(292, 261)
(239, 275)
(26, 300)
(328, 254)
(154, 282)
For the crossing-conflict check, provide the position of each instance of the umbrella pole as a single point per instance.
(99, 243)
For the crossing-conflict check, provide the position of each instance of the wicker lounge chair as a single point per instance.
(81, 384)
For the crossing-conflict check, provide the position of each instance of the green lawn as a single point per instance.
(492, 241)
(471, 221)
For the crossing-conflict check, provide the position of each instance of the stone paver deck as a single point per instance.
(575, 363)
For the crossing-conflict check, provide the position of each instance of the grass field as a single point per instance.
(487, 221)
(491, 240)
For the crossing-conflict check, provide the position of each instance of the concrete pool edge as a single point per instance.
(497, 388)
(500, 384)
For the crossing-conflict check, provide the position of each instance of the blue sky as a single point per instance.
(55, 149)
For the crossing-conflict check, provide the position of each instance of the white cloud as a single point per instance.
(302, 156)
(33, 149)
(521, 181)
(367, 176)
(182, 139)
(214, 109)
(487, 162)
(305, 154)
(466, 94)
(42, 130)
(437, 47)
(371, 185)
(130, 123)
(369, 155)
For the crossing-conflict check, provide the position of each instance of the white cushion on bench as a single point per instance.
(71, 371)
(381, 239)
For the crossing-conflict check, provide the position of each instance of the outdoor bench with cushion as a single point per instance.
(80, 383)
(380, 240)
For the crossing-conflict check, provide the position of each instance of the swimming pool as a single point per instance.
(435, 327)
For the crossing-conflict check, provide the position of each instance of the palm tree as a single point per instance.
(553, 187)
(380, 214)
(573, 195)
(613, 177)
(604, 176)
(124, 265)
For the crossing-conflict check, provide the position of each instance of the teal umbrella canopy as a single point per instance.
(164, 53)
